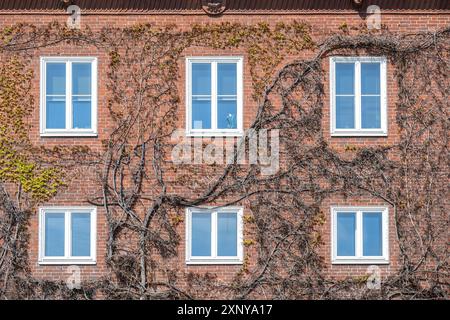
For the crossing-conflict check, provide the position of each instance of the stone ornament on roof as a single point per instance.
(214, 7)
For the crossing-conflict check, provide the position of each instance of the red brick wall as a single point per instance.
(80, 188)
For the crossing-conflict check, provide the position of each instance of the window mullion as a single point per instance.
(43, 235)
(383, 96)
(239, 231)
(358, 95)
(384, 234)
(214, 96)
(93, 96)
(69, 95)
(359, 235)
(189, 234)
(214, 234)
(67, 234)
(333, 95)
(189, 96)
(239, 94)
(44, 88)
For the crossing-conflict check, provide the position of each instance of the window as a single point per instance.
(67, 235)
(360, 235)
(68, 96)
(214, 96)
(358, 96)
(214, 236)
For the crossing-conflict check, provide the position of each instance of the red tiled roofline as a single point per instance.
(232, 6)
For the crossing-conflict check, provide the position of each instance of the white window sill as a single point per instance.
(358, 133)
(63, 134)
(67, 262)
(213, 261)
(360, 261)
(200, 134)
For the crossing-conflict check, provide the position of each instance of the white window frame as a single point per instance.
(214, 259)
(214, 131)
(358, 131)
(67, 258)
(359, 258)
(68, 131)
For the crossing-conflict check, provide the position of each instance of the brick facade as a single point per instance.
(323, 23)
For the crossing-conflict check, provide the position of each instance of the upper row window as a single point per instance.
(214, 96)
(68, 96)
(358, 96)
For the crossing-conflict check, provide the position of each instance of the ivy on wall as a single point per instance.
(142, 193)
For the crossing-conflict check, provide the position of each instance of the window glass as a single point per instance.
(201, 79)
(370, 100)
(345, 104)
(201, 96)
(345, 112)
(227, 113)
(227, 234)
(81, 234)
(227, 78)
(201, 113)
(370, 78)
(372, 234)
(81, 107)
(81, 78)
(346, 226)
(370, 112)
(54, 234)
(56, 79)
(345, 78)
(201, 234)
(55, 112)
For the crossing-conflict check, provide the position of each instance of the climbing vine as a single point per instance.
(142, 193)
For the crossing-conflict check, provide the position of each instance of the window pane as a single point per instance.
(227, 234)
(81, 112)
(201, 78)
(201, 113)
(201, 234)
(81, 234)
(54, 234)
(81, 78)
(370, 78)
(345, 112)
(56, 78)
(372, 234)
(370, 112)
(345, 78)
(346, 226)
(227, 78)
(227, 113)
(55, 113)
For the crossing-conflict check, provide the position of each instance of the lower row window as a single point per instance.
(214, 236)
(67, 235)
(360, 235)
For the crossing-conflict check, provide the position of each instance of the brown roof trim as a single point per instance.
(260, 6)
(228, 12)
